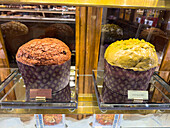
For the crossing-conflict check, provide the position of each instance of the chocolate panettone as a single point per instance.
(14, 34)
(153, 31)
(60, 31)
(14, 28)
(155, 36)
(47, 51)
(45, 64)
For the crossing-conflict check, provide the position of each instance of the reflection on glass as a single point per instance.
(147, 24)
(16, 96)
(157, 99)
(22, 23)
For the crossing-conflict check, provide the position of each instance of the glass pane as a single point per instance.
(22, 23)
(118, 66)
(150, 25)
(113, 100)
(17, 95)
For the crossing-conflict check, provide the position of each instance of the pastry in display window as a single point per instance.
(111, 32)
(107, 120)
(62, 32)
(45, 65)
(152, 35)
(14, 35)
(14, 28)
(129, 65)
(50, 120)
(153, 31)
(158, 38)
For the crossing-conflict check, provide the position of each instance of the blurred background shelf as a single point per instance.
(37, 19)
(37, 11)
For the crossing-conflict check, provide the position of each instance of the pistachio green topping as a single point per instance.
(135, 54)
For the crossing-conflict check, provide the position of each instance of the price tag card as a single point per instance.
(136, 94)
(41, 93)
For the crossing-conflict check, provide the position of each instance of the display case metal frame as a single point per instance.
(162, 4)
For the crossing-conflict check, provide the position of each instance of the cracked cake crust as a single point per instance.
(47, 51)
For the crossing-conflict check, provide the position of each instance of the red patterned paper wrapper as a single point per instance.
(55, 77)
(119, 81)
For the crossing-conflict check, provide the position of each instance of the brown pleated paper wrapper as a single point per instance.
(117, 82)
(108, 96)
(55, 77)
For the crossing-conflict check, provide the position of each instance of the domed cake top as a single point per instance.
(135, 54)
(47, 51)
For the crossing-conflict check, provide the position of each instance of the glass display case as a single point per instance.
(94, 85)
(18, 90)
(132, 101)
